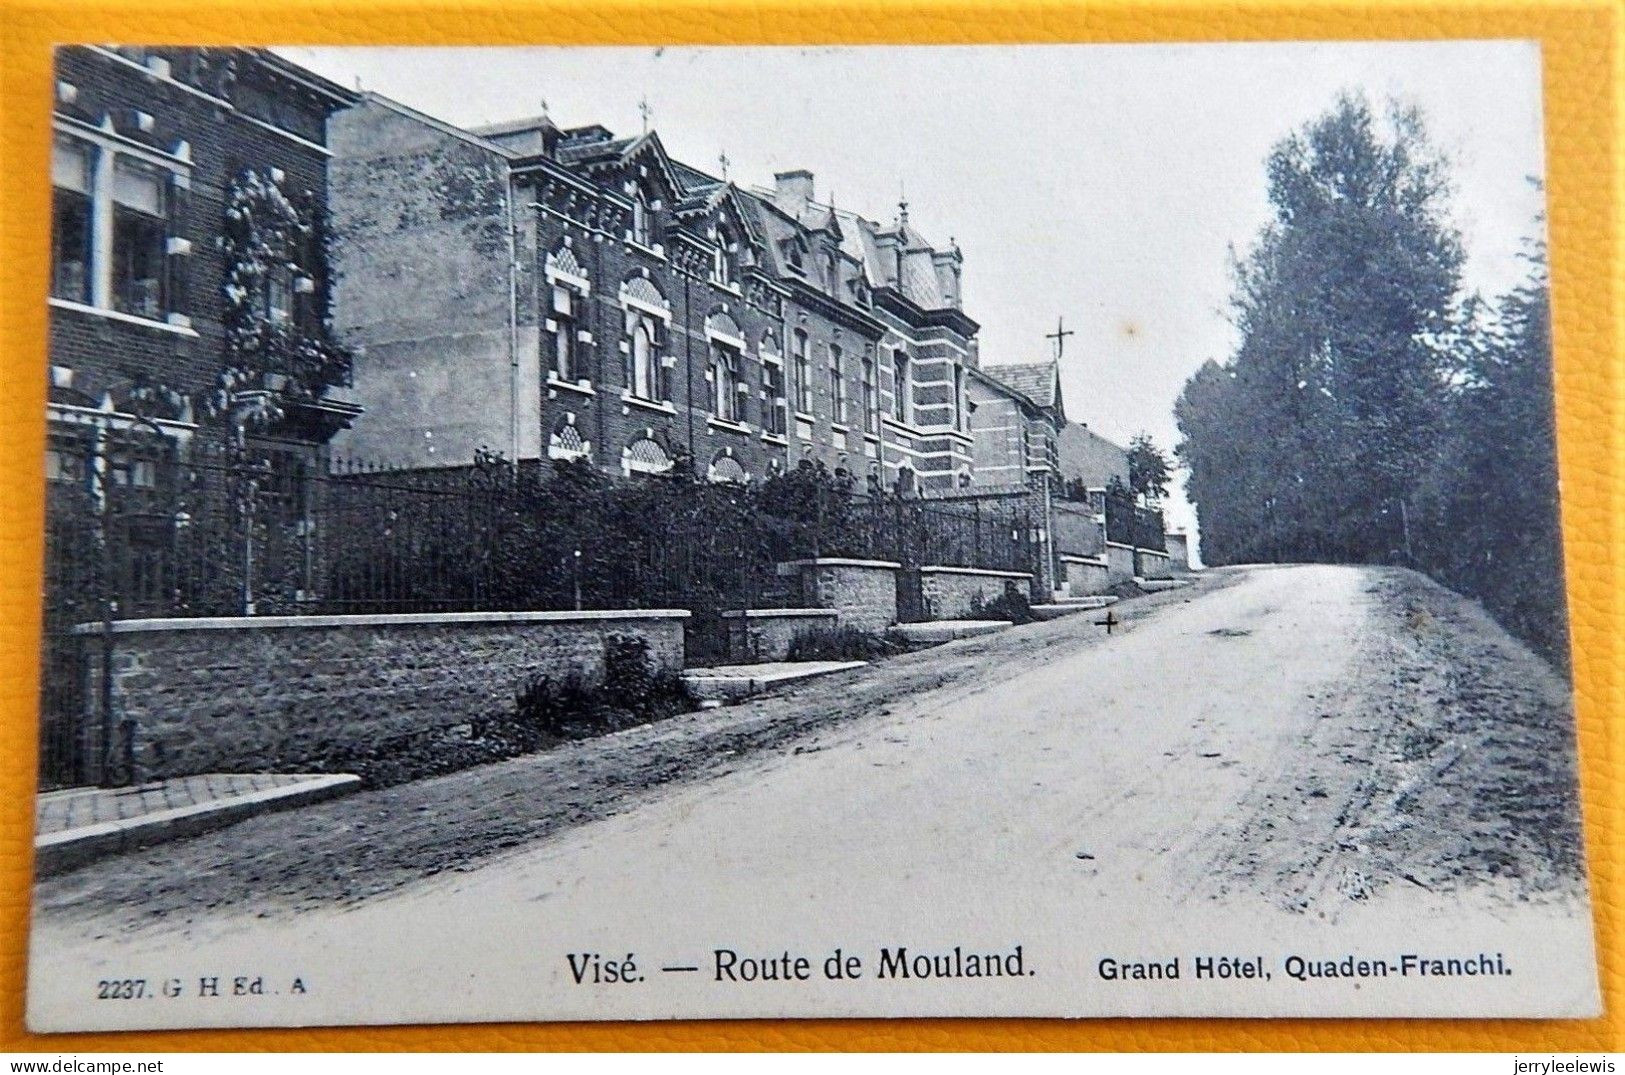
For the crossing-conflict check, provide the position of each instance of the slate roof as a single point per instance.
(1035, 380)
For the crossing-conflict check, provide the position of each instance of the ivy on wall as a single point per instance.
(274, 251)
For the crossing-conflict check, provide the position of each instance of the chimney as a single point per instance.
(793, 188)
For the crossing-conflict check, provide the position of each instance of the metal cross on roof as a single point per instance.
(1059, 336)
(645, 111)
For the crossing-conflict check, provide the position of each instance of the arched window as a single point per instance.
(725, 468)
(645, 456)
(566, 443)
(725, 383)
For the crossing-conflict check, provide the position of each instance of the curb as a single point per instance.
(58, 852)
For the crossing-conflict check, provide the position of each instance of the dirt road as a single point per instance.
(1305, 761)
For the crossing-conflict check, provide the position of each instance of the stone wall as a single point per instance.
(953, 593)
(765, 634)
(280, 693)
(1119, 562)
(1152, 565)
(1085, 575)
(864, 592)
(1179, 550)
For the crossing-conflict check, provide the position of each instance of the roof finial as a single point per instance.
(902, 204)
(723, 162)
(544, 108)
(645, 111)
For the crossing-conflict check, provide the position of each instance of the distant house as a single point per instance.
(1090, 461)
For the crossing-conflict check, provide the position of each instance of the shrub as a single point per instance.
(632, 684)
(1011, 605)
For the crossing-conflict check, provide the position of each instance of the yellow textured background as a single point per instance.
(1582, 56)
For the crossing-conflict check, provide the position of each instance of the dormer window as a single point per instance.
(831, 273)
(795, 255)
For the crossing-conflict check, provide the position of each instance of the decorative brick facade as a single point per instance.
(591, 298)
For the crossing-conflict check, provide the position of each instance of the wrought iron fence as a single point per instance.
(139, 526)
(1129, 523)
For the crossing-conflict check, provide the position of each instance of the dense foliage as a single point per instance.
(1371, 412)
(1149, 470)
(275, 252)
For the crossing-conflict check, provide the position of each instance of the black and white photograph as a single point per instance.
(587, 533)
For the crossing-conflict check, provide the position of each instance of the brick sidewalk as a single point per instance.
(73, 808)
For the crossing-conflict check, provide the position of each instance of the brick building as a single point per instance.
(160, 327)
(194, 383)
(569, 294)
(1016, 418)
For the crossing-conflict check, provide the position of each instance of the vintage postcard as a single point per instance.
(665, 533)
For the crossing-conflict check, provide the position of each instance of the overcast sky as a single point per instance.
(1102, 183)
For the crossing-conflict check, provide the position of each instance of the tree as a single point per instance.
(1318, 427)
(1488, 518)
(1149, 470)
